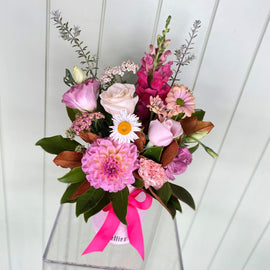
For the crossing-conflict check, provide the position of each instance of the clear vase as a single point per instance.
(70, 236)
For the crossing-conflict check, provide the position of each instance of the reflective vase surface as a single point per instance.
(70, 236)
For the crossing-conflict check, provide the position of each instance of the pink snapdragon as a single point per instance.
(109, 165)
(179, 164)
(153, 78)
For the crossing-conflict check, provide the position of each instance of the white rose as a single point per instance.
(119, 97)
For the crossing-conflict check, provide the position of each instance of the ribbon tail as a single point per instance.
(134, 229)
(104, 235)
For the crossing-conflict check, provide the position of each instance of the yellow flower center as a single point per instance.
(124, 128)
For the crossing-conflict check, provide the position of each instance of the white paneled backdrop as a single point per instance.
(230, 78)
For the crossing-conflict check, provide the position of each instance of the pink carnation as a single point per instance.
(152, 173)
(109, 165)
(179, 164)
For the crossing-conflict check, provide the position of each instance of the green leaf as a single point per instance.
(75, 175)
(72, 113)
(88, 200)
(154, 153)
(138, 183)
(120, 203)
(176, 204)
(97, 208)
(193, 149)
(199, 114)
(165, 192)
(171, 208)
(183, 195)
(71, 189)
(57, 144)
(68, 79)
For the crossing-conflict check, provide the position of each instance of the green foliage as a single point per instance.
(98, 207)
(71, 189)
(72, 113)
(71, 35)
(75, 175)
(193, 149)
(183, 55)
(164, 193)
(154, 153)
(183, 195)
(68, 79)
(138, 183)
(90, 199)
(120, 203)
(199, 114)
(57, 144)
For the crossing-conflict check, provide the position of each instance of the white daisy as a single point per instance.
(124, 127)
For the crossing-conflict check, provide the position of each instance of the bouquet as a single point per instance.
(127, 141)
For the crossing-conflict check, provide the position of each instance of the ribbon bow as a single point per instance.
(111, 223)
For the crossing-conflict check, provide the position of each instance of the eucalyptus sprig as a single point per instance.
(183, 55)
(71, 34)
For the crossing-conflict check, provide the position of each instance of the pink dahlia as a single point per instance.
(180, 99)
(152, 173)
(109, 165)
(179, 164)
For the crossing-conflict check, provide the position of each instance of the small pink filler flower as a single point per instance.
(180, 99)
(109, 165)
(152, 173)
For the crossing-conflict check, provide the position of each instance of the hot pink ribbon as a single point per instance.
(111, 223)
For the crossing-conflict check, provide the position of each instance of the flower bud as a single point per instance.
(166, 43)
(211, 152)
(199, 134)
(79, 75)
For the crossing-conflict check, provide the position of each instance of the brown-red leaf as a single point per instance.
(81, 190)
(68, 159)
(89, 137)
(169, 153)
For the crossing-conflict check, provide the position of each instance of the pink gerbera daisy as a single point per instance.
(109, 165)
(180, 100)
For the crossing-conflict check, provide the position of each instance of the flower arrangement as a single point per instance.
(127, 139)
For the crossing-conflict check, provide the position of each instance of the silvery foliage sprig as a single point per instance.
(183, 55)
(71, 35)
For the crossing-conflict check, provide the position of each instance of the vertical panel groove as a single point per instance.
(256, 245)
(4, 191)
(209, 29)
(160, 3)
(46, 59)
(229, 124)
(101, 28)
(239, 203)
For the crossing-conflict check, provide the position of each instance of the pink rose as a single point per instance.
(162, 134)
(82, 96)
(179, 164)
(119, 97)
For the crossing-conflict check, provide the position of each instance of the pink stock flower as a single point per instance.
(82, 96)
(162, 134)
(179, 100)
(109, 165)
(179, 164)
(152, 173)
